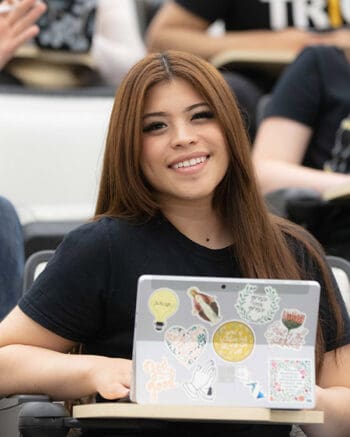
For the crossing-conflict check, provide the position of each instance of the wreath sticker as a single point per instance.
(257, 308)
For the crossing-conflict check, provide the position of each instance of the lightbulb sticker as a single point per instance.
(204, 306)
(163, 303)
(289, 332)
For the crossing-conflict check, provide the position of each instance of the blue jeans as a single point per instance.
(11, 257)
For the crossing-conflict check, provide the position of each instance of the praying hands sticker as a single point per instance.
(289, 332)
(257, 308)
(201, 384)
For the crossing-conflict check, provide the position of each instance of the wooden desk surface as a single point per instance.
(31, 51)
(269, 59)
(192, 413)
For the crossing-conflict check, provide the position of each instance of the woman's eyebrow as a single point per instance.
(164, 114)
(155, 114)
(196, 105)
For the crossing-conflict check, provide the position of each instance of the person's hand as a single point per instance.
(296, 39)
(319, 396)
(18, 26)
(111, 377)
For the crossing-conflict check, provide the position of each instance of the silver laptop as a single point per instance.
(225, 341)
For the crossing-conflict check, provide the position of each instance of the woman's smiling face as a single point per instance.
(184, 153)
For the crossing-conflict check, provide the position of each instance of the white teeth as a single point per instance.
(190, 163)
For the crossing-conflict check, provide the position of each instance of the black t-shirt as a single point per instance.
(87, 293)
(314, 90)
(268, 14)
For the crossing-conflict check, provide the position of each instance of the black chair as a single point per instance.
(341, 270)
(34, 266)
(46, 235)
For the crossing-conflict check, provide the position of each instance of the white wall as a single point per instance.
(51, 149)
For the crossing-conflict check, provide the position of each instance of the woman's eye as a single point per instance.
(203, 114)
(156, 125)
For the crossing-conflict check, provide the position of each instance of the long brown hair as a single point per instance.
(260, 238)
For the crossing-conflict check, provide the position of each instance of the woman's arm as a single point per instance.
(278, 152)
(117, 43)
(333, 395)
(35, 360)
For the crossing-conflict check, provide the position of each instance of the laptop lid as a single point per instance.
(225, 341)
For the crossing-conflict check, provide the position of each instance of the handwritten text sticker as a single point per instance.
(233, 341)
(161, 377)
(291, 380)
(257, 308)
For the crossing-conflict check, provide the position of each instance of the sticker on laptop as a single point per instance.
(257, 308)
(161, 377)
(289, 332)
(245, 377)
(291, 380)
(202, 382)
(204, 306)
(187, 345)
(163, 303)
(233, 341)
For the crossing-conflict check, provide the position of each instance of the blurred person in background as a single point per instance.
(11, 257)
(17, 26)
(117, 42)
(305, 129)
(83, 43)
(251, 25)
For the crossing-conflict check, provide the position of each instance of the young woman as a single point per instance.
(177, 196)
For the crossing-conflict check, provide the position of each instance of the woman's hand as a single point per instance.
(111, 377)
(319, 395)
(18, 26)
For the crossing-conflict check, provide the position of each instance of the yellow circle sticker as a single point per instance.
(233, 341)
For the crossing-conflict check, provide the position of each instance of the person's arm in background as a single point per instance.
(174, 27)
(297, 107)
(117, 43)
(18, 26)
(278, 153)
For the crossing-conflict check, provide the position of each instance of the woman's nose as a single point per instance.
(183, 136)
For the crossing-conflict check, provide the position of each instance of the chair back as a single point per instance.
(34, 265)
(341, 270)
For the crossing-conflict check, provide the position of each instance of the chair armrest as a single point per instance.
(31, 416)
